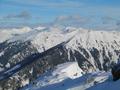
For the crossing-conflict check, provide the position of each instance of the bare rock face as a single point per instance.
(116, 72)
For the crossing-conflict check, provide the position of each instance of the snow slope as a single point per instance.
(43, 38)
(108, 85)
(58, 80)
(99, 48)
(48, 37)
(69, 70)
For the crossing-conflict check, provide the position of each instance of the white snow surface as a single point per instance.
(69, 70)
(47, 39)
(41, 37)
(99, 80)
(89, 38)
(108, 85)
(44, 38)
(69, 76)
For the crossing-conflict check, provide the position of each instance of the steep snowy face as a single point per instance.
(88, 39)
(95, 48)
(48, 39)
(44, 38)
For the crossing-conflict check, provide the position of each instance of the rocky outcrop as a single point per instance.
(116, 71)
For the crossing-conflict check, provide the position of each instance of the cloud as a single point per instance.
(71, 18)
(22, 15)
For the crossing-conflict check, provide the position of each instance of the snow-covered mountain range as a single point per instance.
(93, 50)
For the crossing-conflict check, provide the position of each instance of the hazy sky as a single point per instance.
(22, 12)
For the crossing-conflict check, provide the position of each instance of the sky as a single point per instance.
(34, 12)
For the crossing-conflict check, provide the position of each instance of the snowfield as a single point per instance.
(68, 76)
(108, 85)
(70, 69)
(66, 71)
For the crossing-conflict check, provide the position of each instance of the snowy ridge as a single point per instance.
(88, 39)
(42, 38)
(46, 40)
(103, 42)
(86, 42)
(52, 36)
